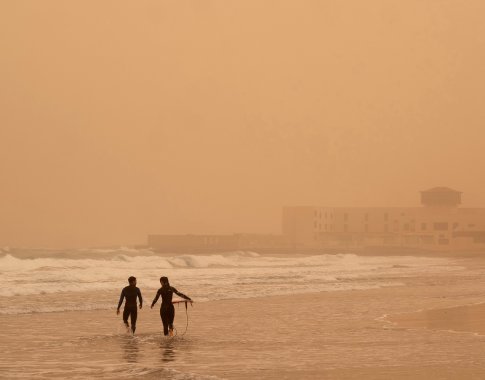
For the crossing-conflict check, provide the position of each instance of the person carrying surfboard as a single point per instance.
(167, 311)
(130, 292)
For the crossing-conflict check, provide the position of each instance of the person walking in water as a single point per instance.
(167, 311)
(130, 292)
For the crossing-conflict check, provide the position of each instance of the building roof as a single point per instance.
(441, 189)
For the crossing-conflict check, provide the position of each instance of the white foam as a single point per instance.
(211, 277)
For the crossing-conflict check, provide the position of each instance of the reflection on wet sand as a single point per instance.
(130, 349)
(167, 347)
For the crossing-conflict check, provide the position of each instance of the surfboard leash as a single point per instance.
(187, 323)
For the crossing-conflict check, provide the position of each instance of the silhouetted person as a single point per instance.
(167, 311)
(130, 292)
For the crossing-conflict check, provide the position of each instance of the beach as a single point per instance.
(336, 336)
(342, 334)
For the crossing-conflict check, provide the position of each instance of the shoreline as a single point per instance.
(420, 318)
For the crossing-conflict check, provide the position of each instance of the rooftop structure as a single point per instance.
(441, 197)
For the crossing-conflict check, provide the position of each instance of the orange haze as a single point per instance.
(122, 118)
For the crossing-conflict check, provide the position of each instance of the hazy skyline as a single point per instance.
(119, 119)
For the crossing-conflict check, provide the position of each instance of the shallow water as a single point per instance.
(313, 334)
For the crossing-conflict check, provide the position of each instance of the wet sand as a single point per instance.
(332, 335)
(468, 318)
(346, 334)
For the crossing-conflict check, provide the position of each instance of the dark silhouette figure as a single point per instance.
(130, 292)
(167, 311)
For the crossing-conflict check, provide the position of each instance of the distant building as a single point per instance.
(216, 243)
(440, 224)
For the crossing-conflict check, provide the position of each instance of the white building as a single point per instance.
(438, 224)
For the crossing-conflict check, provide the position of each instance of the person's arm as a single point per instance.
(156, 298)
(122, 296)
(181, 294)
(139, 297)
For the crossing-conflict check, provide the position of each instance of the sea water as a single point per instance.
(56, 282)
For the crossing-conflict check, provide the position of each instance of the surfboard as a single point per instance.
(179, 300)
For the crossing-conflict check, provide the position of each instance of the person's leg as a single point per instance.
(126, 313)
(163, 316)
(134, 315)
(170, 317)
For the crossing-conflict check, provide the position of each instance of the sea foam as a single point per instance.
(98, 279)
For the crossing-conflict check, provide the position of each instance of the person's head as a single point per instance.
(132, 280)
(164, 281)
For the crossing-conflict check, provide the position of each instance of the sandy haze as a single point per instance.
(121, 118)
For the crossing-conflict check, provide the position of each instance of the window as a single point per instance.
(423, 226)
(440, 226)
(366, 228)
(479, 239)
(346, 216)
(366, 217)
(386, 228)
(386, 216)
(346, 228)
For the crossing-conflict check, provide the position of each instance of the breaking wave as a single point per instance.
(97, 276)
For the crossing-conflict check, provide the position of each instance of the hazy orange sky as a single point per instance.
(122, 118)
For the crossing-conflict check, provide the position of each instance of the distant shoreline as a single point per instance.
(95, 253)
(367, 251)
